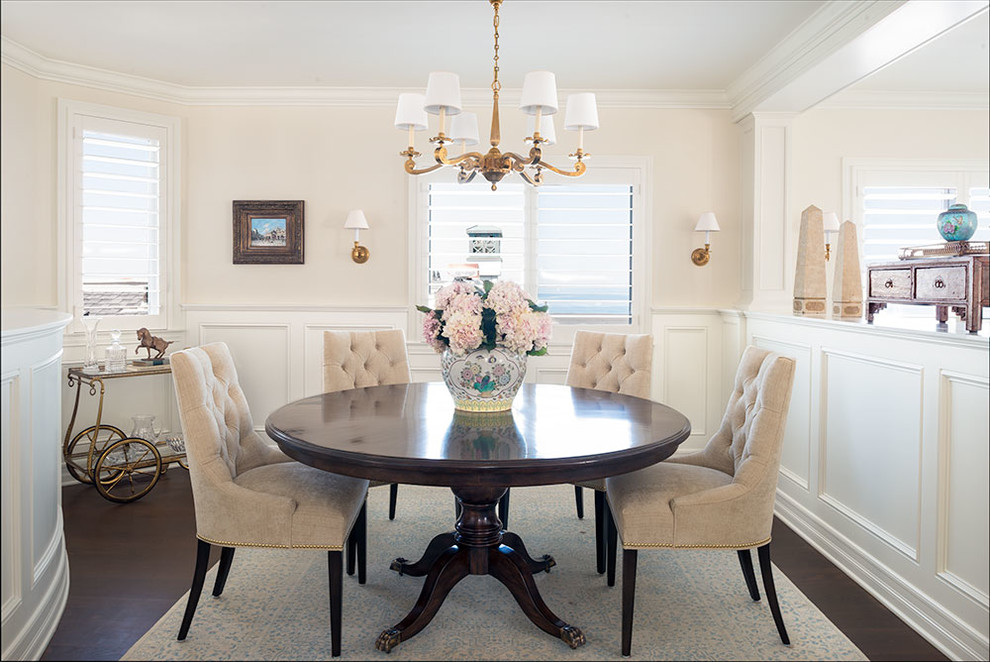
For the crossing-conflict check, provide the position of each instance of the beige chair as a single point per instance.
(247, 493)
(718, 498)
(355, 359)
(615, 362)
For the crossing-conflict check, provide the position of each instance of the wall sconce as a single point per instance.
(357, 222)
(706, 224)
(831, 223)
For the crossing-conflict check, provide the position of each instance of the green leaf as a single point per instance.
(424, 309)
(537, 352)
(538, 309)
(488, 286)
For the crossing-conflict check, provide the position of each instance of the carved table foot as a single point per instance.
(511, 569)
(433, 551)
(542, 564)
(387, 640)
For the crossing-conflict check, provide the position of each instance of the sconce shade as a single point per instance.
(707, 223)
(464, 128)
(582, 112)
(443, 90)
(830, 221)
(547, 131)
(539, 93)
(409, 113)
(356, 220)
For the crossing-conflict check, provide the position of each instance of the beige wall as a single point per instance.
(339, 158)
(822, 137)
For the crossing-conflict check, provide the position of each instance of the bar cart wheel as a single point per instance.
(127, 469)
(77, 453)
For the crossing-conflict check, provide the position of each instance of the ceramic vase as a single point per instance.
(483, 380)
(957, 223)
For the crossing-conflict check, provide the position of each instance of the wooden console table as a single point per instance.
(962, 283)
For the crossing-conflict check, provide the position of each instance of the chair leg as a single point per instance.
(746, 561)
(199, 576)
(628, 597)
(362, 544)
(226, 556)
(765, 570)
(612, 542)
(600, 532)
(351, 546)
(503, 510)
(335, 564)
(579, 501)
(393, 496)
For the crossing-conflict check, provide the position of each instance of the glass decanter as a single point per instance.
(116, 353)
(144, 427)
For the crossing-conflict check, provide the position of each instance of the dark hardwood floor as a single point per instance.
(129, 563)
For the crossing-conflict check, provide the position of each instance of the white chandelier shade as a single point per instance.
(539, 93)
(538, 101)
(410, 114)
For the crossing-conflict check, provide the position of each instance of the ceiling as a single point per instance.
(614, 45)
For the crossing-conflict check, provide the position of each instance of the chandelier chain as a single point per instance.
(496, 86)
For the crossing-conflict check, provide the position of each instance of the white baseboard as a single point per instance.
(918, 610)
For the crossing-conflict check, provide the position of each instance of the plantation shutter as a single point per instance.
(118, 212)
(584, 252)
(456, 208)
(896, 217)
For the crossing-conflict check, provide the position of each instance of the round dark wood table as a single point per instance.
(411, 433)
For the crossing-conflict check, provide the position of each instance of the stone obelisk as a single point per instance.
(809, 277)
(847, 285)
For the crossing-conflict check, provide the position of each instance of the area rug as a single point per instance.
(690, 605)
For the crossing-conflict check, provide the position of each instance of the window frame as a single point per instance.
(602, 170)
(70, 114)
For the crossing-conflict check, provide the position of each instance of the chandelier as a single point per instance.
(538, 100)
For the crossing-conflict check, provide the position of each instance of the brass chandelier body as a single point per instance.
(494, 164)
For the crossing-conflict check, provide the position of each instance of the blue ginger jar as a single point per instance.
(957, 223)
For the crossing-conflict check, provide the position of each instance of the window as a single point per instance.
(118, 214)
(576, 245)
(896, 205)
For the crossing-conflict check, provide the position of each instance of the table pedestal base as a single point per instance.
(477, 546)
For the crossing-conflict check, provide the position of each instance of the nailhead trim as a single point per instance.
(226, 543)
(664, 545)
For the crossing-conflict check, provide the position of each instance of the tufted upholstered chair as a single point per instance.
(615, 362)
(355, 359)
(247, 493)
(718, 498)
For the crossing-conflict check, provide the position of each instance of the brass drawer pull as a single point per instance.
(889, 284)
(939, 284)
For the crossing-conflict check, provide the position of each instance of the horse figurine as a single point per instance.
(151, 342)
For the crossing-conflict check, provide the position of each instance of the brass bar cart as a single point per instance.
(121, 467)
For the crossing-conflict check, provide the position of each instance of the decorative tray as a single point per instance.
(948, 249)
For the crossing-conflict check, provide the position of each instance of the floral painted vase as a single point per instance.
(957, 223)
(483, 380)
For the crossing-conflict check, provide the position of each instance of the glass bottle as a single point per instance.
(144, 427)
(116, 353)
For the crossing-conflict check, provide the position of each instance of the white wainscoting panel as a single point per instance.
(871, 445)
(898, 467)
(795, 459)
(964, 526)
(35, 569)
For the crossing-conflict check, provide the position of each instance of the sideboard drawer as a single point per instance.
(890, 284)
(943, 283)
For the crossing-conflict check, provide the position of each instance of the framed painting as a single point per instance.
(268, 231)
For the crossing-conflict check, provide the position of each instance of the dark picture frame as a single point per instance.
(268, 231)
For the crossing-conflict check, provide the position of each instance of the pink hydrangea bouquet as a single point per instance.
(468, 316)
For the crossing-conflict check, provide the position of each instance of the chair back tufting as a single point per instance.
(616, 362)
(355, 359)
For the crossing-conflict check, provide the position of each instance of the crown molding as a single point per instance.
(38, 66)
(831, 27)
(888, 100)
